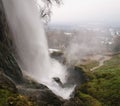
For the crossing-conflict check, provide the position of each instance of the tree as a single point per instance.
(45, 10)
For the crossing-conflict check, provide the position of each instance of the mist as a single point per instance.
(83, 42)
(82, 45)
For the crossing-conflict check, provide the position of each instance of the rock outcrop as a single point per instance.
(7, 60)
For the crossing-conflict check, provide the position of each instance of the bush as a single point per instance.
(104, 84)
(18, 100)
(7, 98)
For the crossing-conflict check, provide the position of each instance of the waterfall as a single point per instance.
(31, 45)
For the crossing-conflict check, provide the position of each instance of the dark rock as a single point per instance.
(30, 83)
(58, 81)
(42, 97)
(58, 55)
(7, 83)
(73, 102)
(9, 64)
(48, 97)
(76, 75)
(4, 30)
(41, 86)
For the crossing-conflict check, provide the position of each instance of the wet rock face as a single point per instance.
(42, 97)
(7, 61)
(4, 30)
(40, 94)
(9, 65)
(48, 98)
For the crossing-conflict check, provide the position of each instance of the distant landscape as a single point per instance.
(98, 37)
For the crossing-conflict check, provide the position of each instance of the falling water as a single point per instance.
(31, 45)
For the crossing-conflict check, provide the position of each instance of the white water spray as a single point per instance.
(31, 45)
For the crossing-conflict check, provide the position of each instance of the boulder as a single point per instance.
(58, 81)
(58, 55)
(42, 97)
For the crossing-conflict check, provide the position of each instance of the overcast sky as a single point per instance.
(80, 11)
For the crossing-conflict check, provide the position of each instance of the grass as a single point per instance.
(87, 100)
(104, 84)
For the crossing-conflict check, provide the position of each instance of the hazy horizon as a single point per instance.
(86, 11)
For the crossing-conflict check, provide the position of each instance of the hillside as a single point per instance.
(104, 83)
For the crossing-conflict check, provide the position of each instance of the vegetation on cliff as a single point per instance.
(7, 98)
(104, 83)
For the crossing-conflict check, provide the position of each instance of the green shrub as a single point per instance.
(4, 94)
(104, 83)
(18, 100)
(7, 98)
(88, 100)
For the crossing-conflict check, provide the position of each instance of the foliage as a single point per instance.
(45, 10)
(8, 98)
(105, 85)
(87, 99)
(4, 94)
(18, 100)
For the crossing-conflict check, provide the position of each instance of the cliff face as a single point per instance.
(3, 25)
(7, 61)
